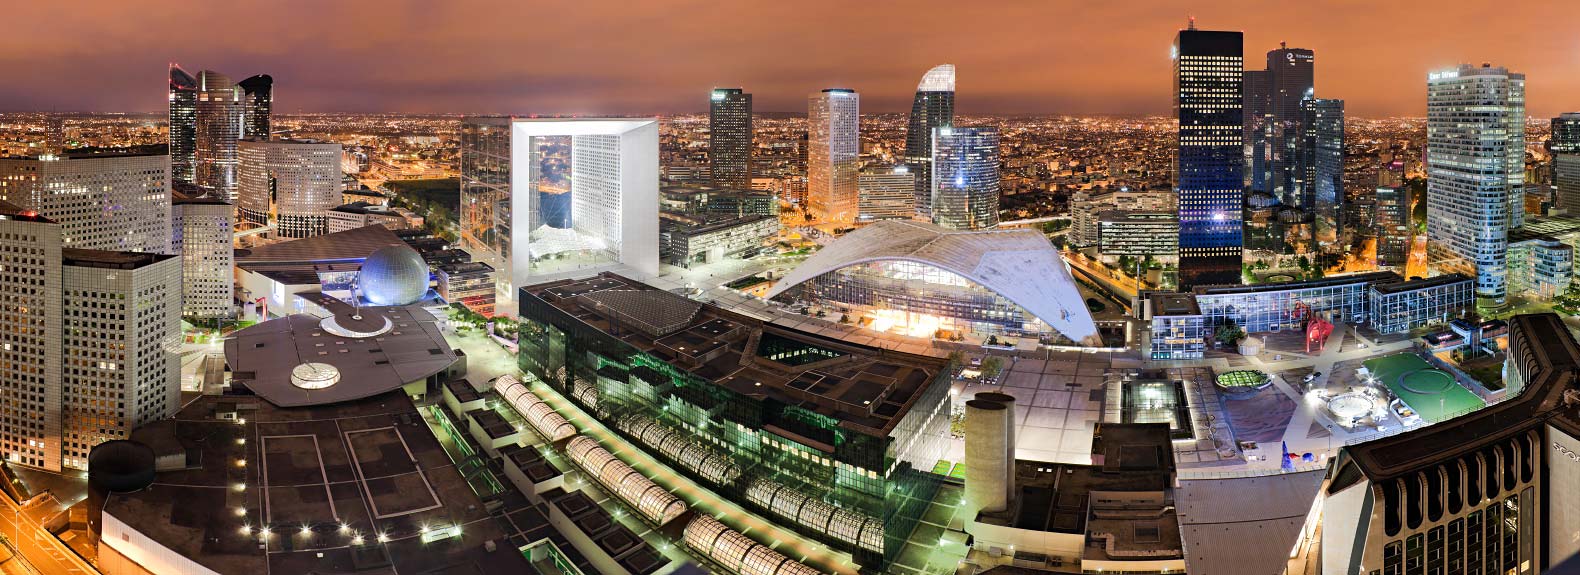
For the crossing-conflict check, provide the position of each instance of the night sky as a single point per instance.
(649, 57)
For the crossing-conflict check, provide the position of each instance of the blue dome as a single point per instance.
(394, 275)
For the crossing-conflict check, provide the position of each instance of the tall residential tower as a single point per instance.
(730, 138)
(1209, 171)
(934, 107)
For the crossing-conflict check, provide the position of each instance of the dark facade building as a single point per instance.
(831, 439)
(1257, 117)
(485, 188)
(1320, 161)
(183, 125)
(1209, 170)
(730, 137)
(1496, 491)
(1394, 228)
(1565, 148)
(934, 107)
(258, 104)
(1290, 78)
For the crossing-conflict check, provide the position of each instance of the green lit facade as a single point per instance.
(805, 466)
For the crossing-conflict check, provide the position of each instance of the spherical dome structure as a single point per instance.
(394, 275)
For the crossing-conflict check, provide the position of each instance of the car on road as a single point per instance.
(1312, 377)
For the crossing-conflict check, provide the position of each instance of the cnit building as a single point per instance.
(1493, 492)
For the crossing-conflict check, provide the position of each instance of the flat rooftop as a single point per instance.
(863, 387)
(372, 465)
(110, 260)
(1167, 304)
(348, 246)
(1361, 278)
(1413, 284)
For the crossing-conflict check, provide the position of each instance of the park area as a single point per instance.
(1430, 392)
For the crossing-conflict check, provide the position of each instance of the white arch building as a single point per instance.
(920, 277)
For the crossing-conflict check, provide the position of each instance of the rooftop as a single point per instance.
(1412, 284)
(12, 211)
(316, 467)
(1167, 304)
(346, 246)
(110, 260)
(861, 386)
(373, 349)
(1361, 278)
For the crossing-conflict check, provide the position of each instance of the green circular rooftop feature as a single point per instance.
(1427, 381)
(1242, 378)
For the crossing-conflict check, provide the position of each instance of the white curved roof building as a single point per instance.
(913, 265)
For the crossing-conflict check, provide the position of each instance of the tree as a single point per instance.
(1229, 334)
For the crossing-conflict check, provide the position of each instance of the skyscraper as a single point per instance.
(1208, 172)
(485, 190)
(1290, 79)
(1257, 118)
(965, 178)
(730, 138)
(258, 103)
(1394, 229)
(1565, 147)
(219, 116)
(834, 145)
(289, 183)
(1320, 160)
(183, 125)
(1475, 156)
(934, 107)
(67, 308)
(102, 202)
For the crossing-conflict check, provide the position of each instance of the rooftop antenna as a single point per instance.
(1192, 23)
(1283, 45)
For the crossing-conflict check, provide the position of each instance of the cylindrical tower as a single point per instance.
(986, 468)
(1011, 421)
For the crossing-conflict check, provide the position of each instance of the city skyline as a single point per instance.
(1013, 60)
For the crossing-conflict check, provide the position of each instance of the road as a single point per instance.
(46, 553)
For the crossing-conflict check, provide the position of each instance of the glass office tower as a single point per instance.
(258, 105)
(1321, 161)
(934, 107)
(834, 145)
(220, 113)
(485, 190)
(1208, 172)
(183, 125)
(1290, 80)
(1475, 156)
(965, 178)
(1565, 148)
(730, 138)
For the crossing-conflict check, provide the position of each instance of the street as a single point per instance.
(46, 553)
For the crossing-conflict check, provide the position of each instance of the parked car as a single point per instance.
(1313, 377)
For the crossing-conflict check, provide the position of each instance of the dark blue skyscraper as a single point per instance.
(258, 97)
(1209, 171)
(934, 107)
(183, 125)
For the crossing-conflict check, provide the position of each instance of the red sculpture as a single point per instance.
(1317, 330)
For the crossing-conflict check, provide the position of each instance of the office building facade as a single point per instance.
(965, 178)
(485, 190)
(1209, 168)
(203, 235)
(1565, 149)
(887, 193)
(1394, 225)
(105, 202)
(64, 392)
(470, 284)
(1475, 158)
(1321, 165)
(932, 108)
(1140, 235)
(130, 303)
(730, 137)
(686, 242)
(290, 184)
(219, 121)
(1291, 78)
(833, 147)
(183, 125)
(257, 105)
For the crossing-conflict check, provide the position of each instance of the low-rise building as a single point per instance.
(470, 284)
(1178, 329)
(1398, 307)
(688, 241)
(358, 214)
(1138, 235)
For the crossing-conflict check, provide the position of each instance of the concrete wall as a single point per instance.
(1563, 504)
